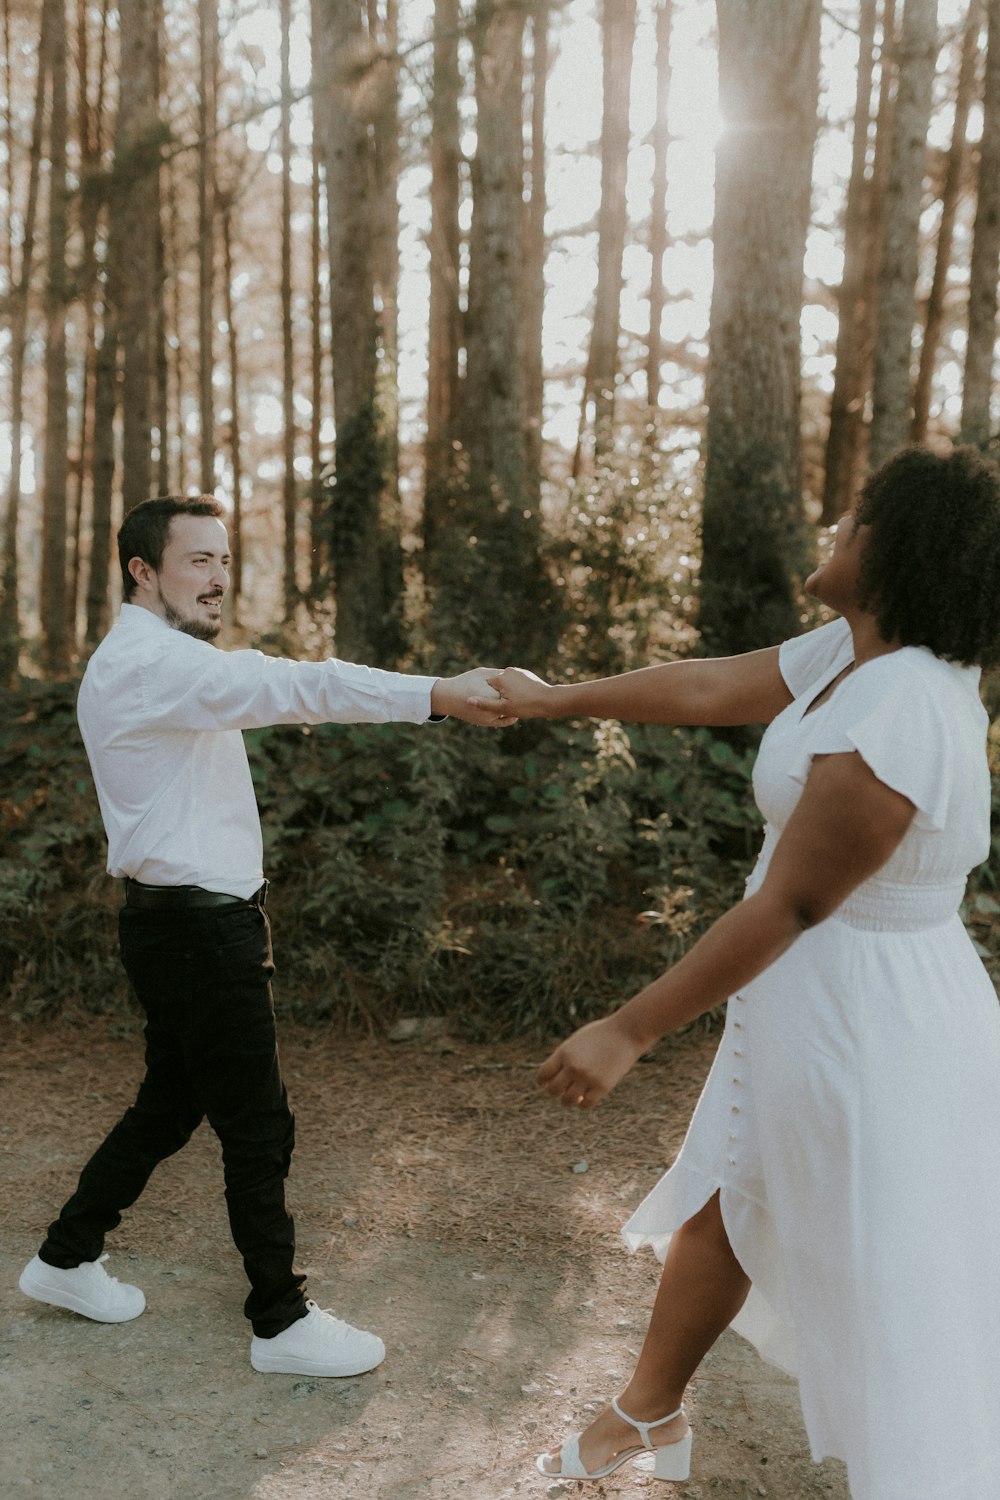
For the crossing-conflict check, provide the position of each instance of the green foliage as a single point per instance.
(524, 879)
(623, 549)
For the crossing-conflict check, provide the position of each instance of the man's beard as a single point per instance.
(201, 630)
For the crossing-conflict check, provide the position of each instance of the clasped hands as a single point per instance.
(490, 696)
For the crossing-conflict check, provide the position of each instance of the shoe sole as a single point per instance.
(276, 1365)
(54, 1297)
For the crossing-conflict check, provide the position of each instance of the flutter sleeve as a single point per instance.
(806, 659)
(892, 712)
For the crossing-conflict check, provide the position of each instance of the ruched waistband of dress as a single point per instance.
(889, 906)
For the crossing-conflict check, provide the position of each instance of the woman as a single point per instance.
(836, 1195)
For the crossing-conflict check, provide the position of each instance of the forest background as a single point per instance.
(548, 331)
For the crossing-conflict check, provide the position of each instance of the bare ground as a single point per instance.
(439, 1200)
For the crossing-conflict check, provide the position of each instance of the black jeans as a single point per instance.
(203, 978)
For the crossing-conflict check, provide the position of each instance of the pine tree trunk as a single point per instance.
(288, 491)
(132, 240)
(658, 211)
(208, 49)
(383, 32)
(950, 192)
(494, 389)
(891, 405)
(602, 363)
(445, 317)
(975, 426)
(235, 441)
(318, 558)
(103, 462)
(52, 594)
(343, 49)
(768, 68)
(534, 252)
(176, 387)
(10, 626)
(847, 402)
(495, 537)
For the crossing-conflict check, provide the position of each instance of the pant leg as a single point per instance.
(231, 1062)
(203, 978)
(165, 1114)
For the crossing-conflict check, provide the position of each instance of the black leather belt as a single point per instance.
(185, 897)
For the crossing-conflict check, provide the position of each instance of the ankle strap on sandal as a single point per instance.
(644, 1428)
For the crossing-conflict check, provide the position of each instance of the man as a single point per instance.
(161, 712)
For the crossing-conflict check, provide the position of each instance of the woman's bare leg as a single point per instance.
(702, 1288)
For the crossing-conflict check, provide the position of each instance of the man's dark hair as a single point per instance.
(145, 529)
(930, 571)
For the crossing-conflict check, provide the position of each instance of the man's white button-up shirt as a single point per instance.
(161, 715)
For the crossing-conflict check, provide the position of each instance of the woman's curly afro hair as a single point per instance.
(930, 571)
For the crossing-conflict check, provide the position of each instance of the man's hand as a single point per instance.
(470, 697)
(525, 695)
(589, 1063)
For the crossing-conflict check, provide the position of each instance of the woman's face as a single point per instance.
(835, 582)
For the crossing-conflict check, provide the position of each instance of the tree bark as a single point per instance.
(318, 558)
(289, 486)
(752, 529)
(10, 625)
(235, 438)
(445, 316)
(658, 211)
(891, 406)
(56, 637)
(950, 193)
(208, 50)
(847, 402)
(975, 426)
(344, 58)
(132, 239)
(383, 33)
(534, 253)
(618, 33)
(494, 391)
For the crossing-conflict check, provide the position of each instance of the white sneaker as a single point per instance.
(86, 1288)
(318, 1344)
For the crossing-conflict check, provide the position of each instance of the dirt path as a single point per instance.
(439, 1200)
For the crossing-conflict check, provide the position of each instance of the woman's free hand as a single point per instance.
(589, 1063)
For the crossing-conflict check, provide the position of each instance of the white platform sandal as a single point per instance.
(672, 1461)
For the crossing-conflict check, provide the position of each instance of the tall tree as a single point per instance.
(318, 520)
(847, 401)
(341, 68)
(768, 71)
(658, 207)
(383, 33)
(445, 317)
(618, 40)
(235, 436)
(950, 193)
(208, 68)
(975, 425)
(891, 406)
(289, 485)
(56, 635)
(534, 249)
(136, 216)
(496, 542)
(10, 622)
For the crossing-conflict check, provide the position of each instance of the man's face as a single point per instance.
(188, 588)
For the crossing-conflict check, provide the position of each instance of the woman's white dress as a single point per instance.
(851, 1119)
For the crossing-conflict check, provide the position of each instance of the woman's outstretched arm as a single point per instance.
(747, 689)
(846, 825)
